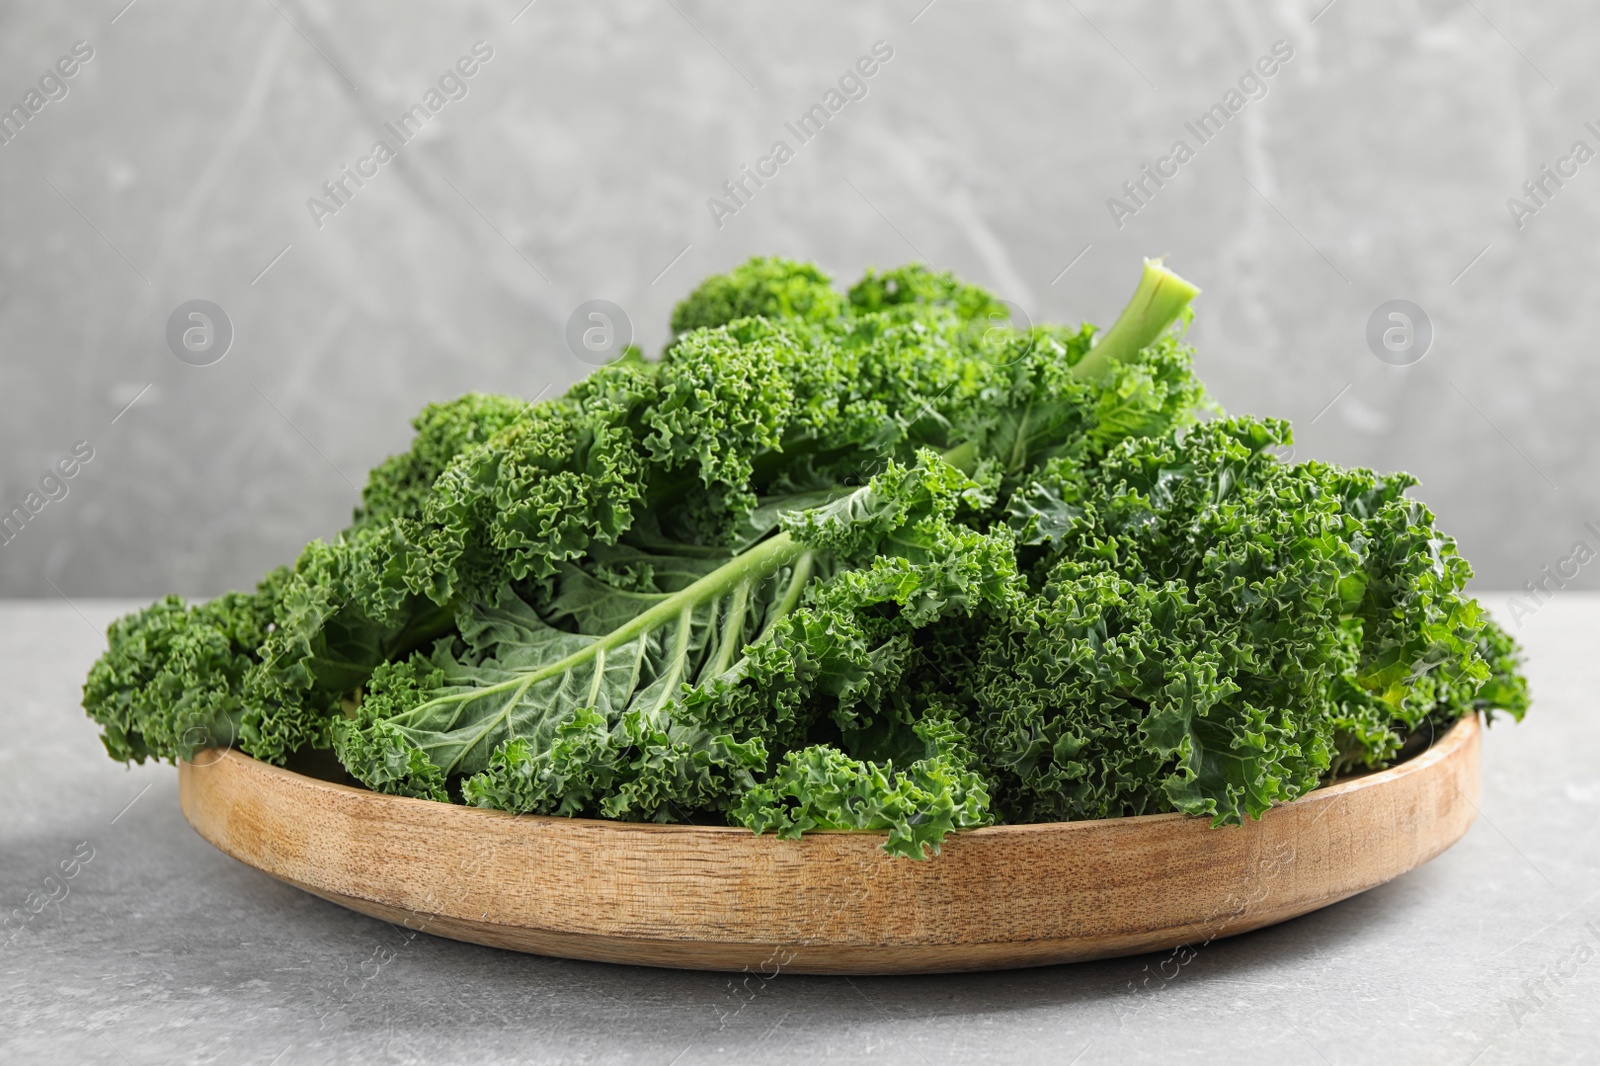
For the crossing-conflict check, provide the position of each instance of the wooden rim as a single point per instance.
(720, 897)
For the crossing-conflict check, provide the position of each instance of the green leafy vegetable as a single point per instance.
(876, 561)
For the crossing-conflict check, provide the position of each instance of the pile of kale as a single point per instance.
(877, 560)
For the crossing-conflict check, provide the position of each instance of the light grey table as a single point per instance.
(164, 950)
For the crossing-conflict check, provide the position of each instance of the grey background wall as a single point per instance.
(178, 165)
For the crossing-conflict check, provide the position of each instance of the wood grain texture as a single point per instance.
(725, 899)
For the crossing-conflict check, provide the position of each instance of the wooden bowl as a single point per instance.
(719, 898)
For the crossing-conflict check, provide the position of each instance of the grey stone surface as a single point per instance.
(164, 950)
(1377, 166)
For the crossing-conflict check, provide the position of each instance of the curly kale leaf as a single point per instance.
(663, 697)
(915, 286)
(398, 486)
(512, 675)
(172, 679)
(1216, 630)
(820, 787)
(769, 287)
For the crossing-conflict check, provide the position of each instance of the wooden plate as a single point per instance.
(722, 898)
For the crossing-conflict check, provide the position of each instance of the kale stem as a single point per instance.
(1156, 304)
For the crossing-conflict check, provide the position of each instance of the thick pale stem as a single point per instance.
(1156, 304)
